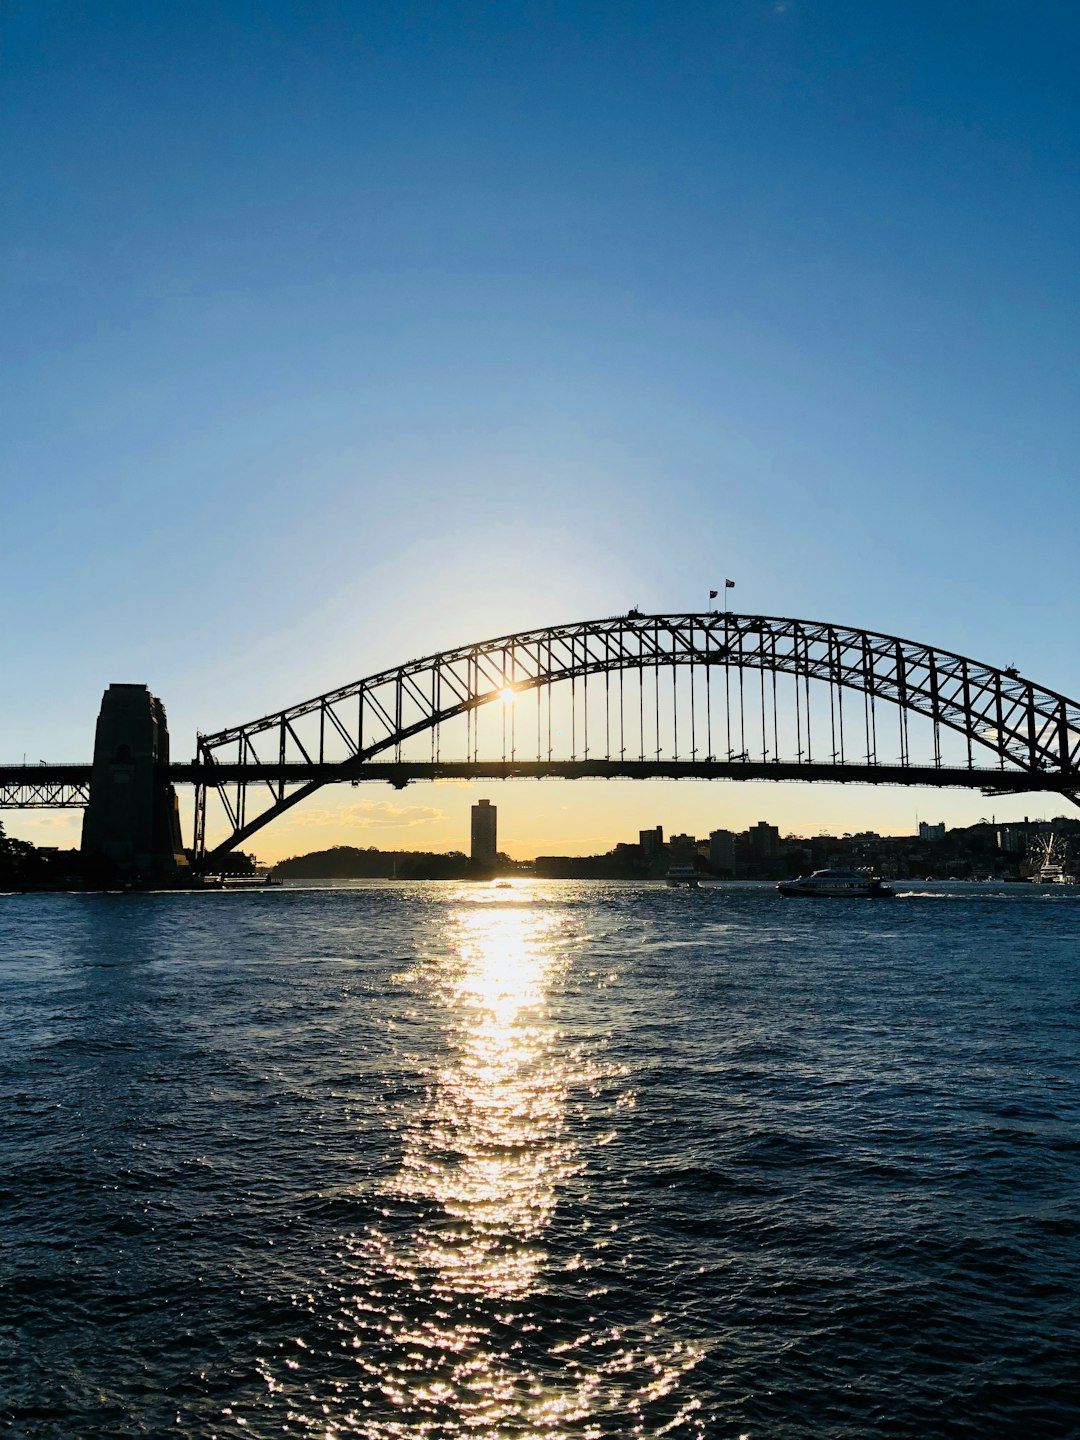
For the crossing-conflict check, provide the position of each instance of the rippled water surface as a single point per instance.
(555, 1160)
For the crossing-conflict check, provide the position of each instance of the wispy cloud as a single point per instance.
(35, 821)
(368, 815)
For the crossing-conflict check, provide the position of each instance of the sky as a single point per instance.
(336, 334)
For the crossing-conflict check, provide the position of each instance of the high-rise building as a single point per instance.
(484, 842)
(651, 842)
(763, 841)
(931, 832)
(722, 850)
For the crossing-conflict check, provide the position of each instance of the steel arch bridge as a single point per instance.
(705, 695)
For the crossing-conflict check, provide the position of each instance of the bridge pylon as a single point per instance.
(132, 819)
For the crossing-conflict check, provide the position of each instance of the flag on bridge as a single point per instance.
(729, 584)
(713, 594)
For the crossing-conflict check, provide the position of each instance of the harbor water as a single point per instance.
(559, 1159)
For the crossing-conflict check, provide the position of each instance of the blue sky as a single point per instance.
(334, 334)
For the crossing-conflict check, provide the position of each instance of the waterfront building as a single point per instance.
(722, 850)
(651, 842)
(484, 843)
(763, 841)
(1015, 839)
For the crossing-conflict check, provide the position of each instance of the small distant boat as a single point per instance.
(839, 885)
(682, 874)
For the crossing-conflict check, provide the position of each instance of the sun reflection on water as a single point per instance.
(456, 1312)
(491, 1150)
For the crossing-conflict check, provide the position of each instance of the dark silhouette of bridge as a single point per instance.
(684, 696)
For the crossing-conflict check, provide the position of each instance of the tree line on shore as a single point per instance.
(25, 866)
(347, 862)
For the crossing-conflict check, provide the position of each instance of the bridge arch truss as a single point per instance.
(700, 694)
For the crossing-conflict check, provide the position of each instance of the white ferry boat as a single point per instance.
(839, 885)
(1052, 875)
(1050, 855)
(680, 873)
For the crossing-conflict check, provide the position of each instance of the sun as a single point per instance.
(506, 695)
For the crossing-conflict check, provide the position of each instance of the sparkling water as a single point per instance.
(559, 1159)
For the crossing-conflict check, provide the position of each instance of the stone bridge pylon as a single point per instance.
(132, 820)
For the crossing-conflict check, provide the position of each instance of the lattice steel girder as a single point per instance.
(1023, 724)
(43, 794)
(44, 787)
(1033, 733)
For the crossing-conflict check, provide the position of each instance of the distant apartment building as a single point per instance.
(651, 842)
(484, 841)
(931, 832)
(722, 850)
(763, 841)
(682, 842)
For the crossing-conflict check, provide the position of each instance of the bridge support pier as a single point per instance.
(132, 820)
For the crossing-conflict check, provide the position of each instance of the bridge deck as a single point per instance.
(67, 786)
